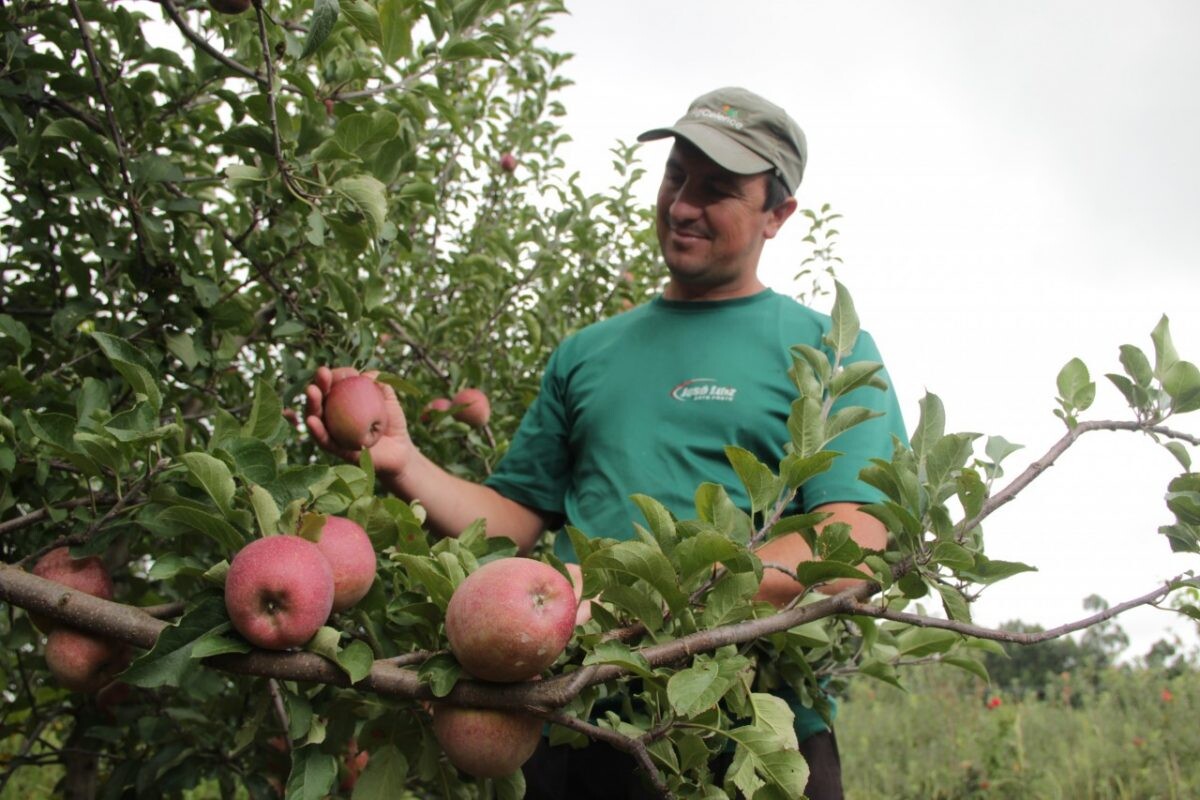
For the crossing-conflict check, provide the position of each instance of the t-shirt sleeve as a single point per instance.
(871, 439)
(537, 467)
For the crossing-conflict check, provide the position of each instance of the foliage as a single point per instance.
(192, 228)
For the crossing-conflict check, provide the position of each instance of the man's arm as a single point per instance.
(450, 502)
(789, 550)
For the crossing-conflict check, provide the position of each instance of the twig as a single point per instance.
(1045, 462)
(285, 171)
(979, 632)
(280, 711)
(196, 39)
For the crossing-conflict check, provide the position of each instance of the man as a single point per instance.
(646, 401)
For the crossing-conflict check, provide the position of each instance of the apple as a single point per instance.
(355, 412)
(484, 742)
(82, 662)
(351, 556)
(472, 407)
(279, 591)
(510, 619)
(508, 162)
(434, 406)
(87, 575)
(355, 762)
(230, 6)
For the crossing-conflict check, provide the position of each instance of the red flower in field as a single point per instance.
(985, 785)
(993, 702)
(1167, 696)
(1139, 741)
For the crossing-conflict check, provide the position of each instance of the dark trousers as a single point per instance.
(601, 772)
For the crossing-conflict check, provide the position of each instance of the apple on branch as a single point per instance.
(351, 556)
(279, 591)
(88, 575)
(510, 619)
(83, 662)
(485, 742)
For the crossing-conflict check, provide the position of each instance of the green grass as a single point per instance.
(1121, 740)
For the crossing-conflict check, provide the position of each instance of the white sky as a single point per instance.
(1021, 185)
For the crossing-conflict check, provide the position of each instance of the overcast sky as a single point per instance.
(1021, 185)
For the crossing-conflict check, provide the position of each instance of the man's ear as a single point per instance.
(779, 215)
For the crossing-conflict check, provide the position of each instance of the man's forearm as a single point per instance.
(452, 503)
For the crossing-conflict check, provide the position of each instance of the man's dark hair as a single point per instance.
(777, 191)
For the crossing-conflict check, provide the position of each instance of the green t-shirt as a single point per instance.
(645, 403)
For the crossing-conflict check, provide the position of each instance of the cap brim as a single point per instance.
(716, 145)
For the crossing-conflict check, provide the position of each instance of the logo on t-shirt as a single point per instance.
(703, 389)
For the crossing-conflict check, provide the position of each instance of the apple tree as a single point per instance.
(204, 205)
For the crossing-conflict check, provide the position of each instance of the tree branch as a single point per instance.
(1045, 462)
(173, 13)
(635, 747)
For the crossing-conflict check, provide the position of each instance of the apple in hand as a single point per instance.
(510, 619)
(87, 575)
(355, 412)
(348, 550)
(83, 662)
(485, 742)
(472, 407)
(279, 591)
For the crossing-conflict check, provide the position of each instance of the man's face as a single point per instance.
(711, 225)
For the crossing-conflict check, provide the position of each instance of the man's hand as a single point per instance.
(393, 452)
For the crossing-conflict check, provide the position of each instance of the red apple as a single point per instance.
(83, 662)
(486, 743)
(510, 619)
(438, 405)
(351, 557)
(472, 407)
(355, 412)
(355, 762)
(508, 162)
(279, 591)
(88, 575)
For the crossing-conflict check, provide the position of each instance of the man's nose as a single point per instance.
(684, 203)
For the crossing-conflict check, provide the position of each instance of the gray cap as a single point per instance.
(742, 132)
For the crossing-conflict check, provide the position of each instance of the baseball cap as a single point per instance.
(744, 133)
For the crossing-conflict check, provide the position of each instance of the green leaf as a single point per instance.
(761, 484)
(17, 332)
(657, 517)
(364, 18)
(844, 331)
(1075, 386)
(812, 573)
(641, 561)
(368, 194)
(806, 427)
(931, 427)
(852, 376)
(916, 642)
(998, 448)
(796, 470)
(1164, 349)
(954, 603)
(987, 571)
(758, 761)
(424, 570)
(312, 775)
(970, 665)
(265, 511)
(179, 519)
(356, 659)
(214, 477)
(440, 673)
(621, 655)
(134, 367)
(324, 17)
(773, 715)
(697, 554)
(265, 412)
(396, 27)
(386, 771)
(170, 658)
(1136, 365)
(215, 643)
(699, 687)
(1182, 384)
